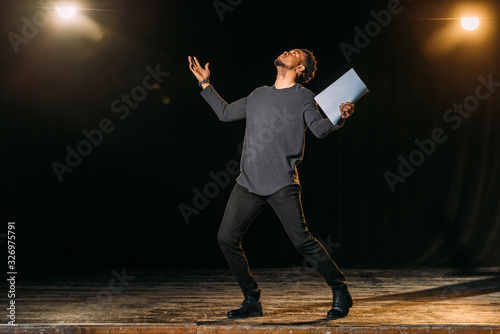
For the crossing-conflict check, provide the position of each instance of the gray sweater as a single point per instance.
(276, 120)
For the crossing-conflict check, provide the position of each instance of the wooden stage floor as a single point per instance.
(295, 300)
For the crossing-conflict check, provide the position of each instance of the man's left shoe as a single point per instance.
(342, 301)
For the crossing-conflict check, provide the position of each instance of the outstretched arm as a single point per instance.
(225, 112)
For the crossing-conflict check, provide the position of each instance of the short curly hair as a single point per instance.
(310, 65)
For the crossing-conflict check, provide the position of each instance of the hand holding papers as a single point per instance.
(348, 88)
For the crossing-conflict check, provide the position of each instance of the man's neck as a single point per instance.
(285, 79)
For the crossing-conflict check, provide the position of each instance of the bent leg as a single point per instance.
(287, 204)
(242, 207)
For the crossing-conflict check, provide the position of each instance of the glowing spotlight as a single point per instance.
(470, 23)
(66, 12)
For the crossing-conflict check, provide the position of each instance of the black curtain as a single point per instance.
(120, 205)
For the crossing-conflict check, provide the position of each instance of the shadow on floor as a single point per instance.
(447, 292)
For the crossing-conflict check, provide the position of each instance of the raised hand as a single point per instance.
(199, 72)
(346, 109)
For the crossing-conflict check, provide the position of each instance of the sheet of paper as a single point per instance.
(348, 88)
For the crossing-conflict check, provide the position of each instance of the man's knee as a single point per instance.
(225, 239)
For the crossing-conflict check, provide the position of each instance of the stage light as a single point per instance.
(66, 12)
(470, 23)
(73, 21)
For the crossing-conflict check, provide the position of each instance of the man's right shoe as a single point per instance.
(251, 307)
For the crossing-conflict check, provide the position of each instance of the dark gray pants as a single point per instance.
(244, 206)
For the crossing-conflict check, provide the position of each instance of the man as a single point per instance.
(276, 119)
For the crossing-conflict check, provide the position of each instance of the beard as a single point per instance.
(278, 62)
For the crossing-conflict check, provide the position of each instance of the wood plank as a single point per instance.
(178, 329)
(296, 297)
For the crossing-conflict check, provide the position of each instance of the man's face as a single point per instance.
(291, 59)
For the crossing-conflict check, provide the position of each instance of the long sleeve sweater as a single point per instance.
(276, 121)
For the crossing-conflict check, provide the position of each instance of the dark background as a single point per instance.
(119, 207)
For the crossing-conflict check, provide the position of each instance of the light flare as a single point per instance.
(66, 12)
(470, 23)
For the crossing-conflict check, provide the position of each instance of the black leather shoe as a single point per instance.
(250, 307)
(342, 301)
